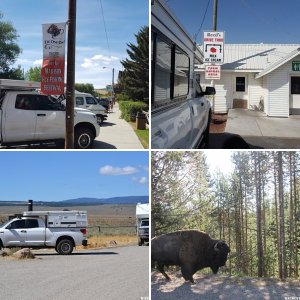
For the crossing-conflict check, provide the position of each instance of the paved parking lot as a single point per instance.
(262, 131)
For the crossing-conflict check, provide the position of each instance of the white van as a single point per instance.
(180, 115)
(87, 101)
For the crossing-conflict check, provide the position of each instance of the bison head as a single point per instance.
(221, 251)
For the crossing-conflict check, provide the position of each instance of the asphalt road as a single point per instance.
(108, 274)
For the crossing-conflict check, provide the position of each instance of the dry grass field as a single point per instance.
(108, 225)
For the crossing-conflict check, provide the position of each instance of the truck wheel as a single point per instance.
(140, 242)
(1, 245)
(84, 138)
(64, 247)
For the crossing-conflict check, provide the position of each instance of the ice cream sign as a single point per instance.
(213, 47)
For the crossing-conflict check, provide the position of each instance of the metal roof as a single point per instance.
(254, 57)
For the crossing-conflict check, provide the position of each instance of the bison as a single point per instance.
(192, 250)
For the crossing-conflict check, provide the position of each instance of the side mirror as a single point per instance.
(210, 91)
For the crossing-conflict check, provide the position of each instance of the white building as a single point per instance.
(258, 76)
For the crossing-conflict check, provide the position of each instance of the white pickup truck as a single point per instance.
(28, 117)
(62, 230)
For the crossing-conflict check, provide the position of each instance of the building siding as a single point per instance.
(257, 93)
(278, 86)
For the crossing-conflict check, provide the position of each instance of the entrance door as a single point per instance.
(295, 95)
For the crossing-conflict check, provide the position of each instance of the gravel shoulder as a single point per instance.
(114, 273)
(212, 287)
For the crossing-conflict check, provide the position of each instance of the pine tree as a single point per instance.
(135, 77)
(9, 51)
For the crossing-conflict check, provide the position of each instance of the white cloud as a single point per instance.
(143, 180)
(117, 171)
(101, 57)
(140, 180)
(97, 61)
(38, 62)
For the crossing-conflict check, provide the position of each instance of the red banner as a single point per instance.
(53, 68)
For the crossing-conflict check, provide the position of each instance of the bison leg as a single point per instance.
(160, 268)
(187, 273)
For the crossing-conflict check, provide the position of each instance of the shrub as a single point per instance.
(122, 97)
(129, 109)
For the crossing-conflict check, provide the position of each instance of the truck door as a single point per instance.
(35, 235)
(19, 118)
(50, 116)
(15, 234)
(199, 116)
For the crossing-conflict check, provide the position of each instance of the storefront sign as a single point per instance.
(213, 47)
(212, 72)
(53, 68)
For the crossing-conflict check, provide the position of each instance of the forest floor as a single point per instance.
(211, 287)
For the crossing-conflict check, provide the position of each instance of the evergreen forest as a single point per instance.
(255, 207)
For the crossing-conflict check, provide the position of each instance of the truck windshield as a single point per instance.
(3, 225)
(145, 223)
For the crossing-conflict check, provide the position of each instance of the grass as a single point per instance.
(107, 241)
(143, 135)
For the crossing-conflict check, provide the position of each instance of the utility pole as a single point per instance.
(215, 15)
(69, 141)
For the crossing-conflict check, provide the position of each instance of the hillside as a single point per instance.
(82, 201)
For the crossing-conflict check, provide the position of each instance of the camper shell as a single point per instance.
(180, 114)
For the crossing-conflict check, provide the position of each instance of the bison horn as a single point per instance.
(216, 247)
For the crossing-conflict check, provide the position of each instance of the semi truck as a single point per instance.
(142, 223)
(61, 230)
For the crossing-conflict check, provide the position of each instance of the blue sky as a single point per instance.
(123, 20)
(60, 175)
(244, 21)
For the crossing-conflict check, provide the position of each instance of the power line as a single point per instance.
(208, 2)
(105, 28)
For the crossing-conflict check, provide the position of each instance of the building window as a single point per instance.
(240, 84)
(295, 85)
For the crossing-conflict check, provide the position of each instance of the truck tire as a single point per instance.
(206, 133)
(83, 138)
(65, 247)
(140, 242)
(1, 245)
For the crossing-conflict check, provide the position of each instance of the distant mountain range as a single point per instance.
(83, 201)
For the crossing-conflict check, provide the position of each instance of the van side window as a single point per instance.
(79, 101)
(170, 68)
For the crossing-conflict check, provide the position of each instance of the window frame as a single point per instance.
(155, 34)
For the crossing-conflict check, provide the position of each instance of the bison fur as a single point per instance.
(192, 250)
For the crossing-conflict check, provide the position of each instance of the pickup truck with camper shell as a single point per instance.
(27, 117)
(62, 230)
(180, 112)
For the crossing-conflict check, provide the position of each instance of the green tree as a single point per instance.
(9, 50)
(135, 77)
(33, 74)
(85, 88)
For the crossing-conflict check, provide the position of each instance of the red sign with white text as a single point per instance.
(53, 68)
